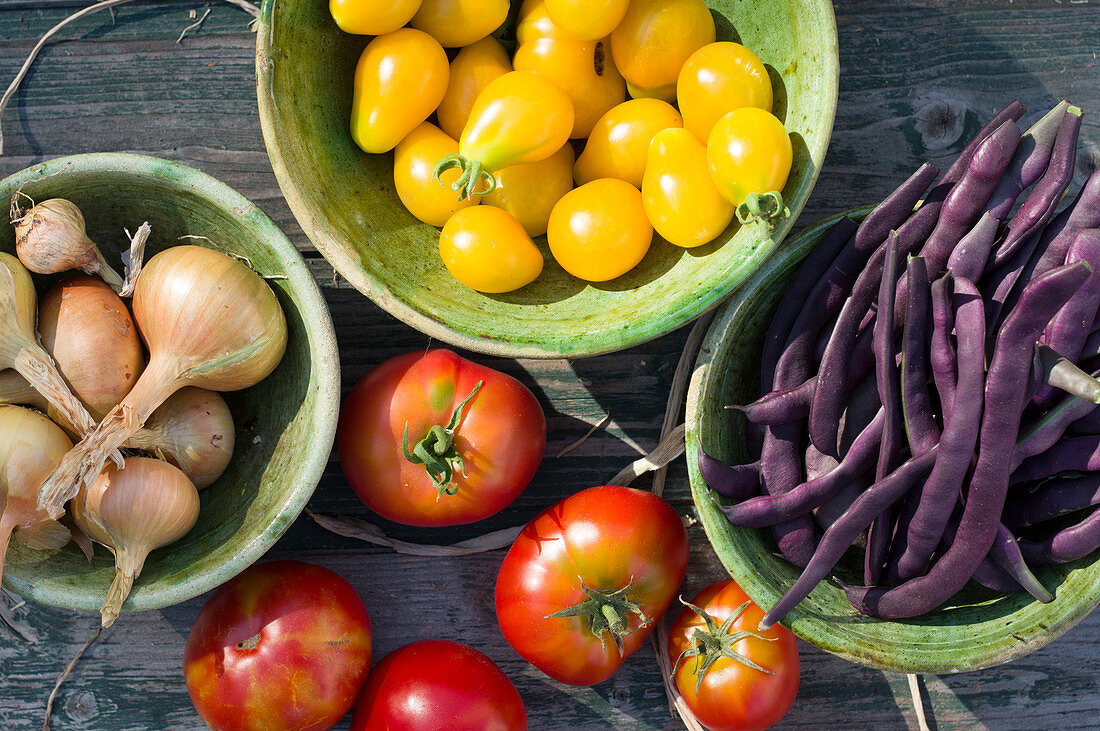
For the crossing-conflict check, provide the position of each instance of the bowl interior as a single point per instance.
(345, 201)
(285, 425)
(973, 630)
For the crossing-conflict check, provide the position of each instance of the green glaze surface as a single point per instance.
(345, 201)
(285, 425)
(975, 629)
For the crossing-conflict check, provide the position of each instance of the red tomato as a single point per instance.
(732, 695)
(283, 645)
(586, 580)
(489, 439)
(438, 684)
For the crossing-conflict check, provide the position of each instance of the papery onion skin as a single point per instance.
(14, 389)
(193, 429)
(143, 506)
(51, 237)
(30, 447)
(87, 329)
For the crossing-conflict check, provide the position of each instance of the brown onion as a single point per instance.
(193, 430)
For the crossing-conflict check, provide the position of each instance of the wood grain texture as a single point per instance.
(916, 79)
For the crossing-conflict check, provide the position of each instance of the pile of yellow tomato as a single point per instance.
(506, 127)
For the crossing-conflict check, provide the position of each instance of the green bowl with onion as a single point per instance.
(975, 629)
(345, 201)
(285, 425)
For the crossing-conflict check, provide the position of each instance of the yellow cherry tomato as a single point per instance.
(586, 20)
(599, 231)
(471, 71)
(458, 23)
(619, 143)
(414, 161)
(583, 69)
(530, 191)
(654, 40)
(748, 151)
(372, 17)
(679, 197)
(487, 249)
(519, 117)
(719, 78)
(399, 81)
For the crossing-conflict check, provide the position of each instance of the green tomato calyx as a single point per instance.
(763, 210)
(607, 612)
(715, 642)
(437, 452)
(471, 179)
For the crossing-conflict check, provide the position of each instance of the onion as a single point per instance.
(14, 389)
(30, 447)
(208, 321)
(19, 348)
(87, 329)
(51, 238)
(132, 511)
(193, 430)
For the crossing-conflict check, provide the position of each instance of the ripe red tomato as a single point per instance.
(285, 644)
(438, 684)
(479, 433)
(731, 695)
(586, 580)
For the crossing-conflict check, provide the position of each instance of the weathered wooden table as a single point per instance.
(918, 77)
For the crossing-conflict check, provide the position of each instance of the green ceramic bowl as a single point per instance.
(285, 425)
(345, 201)
(975, 629)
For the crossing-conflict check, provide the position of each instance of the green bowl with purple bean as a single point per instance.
(910, 475)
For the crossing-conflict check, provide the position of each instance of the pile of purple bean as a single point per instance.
(927, 386)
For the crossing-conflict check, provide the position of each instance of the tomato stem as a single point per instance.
(765, 211)
(714, 642)
(606, 612)
(437, 452)
(470, 180)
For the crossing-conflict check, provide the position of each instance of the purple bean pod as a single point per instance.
(780, 407)
(1066, 545)
(1013, 110)
(993, 577)
(733, 481)
(1044, 432)
(833, 508)
(941, 352)
(780, 471)
(1006, 554)
(1028, 164)
(916, 402)
(758, 512)
(969, 257)
(942, 488)
(1051, 499)
(1006, 384)
(1077, 454)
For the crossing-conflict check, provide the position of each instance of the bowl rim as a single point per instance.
(367, 283)
(324, 354)
(812, 629)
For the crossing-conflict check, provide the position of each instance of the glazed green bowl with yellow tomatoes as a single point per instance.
(346, 203)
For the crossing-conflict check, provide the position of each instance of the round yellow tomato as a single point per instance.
(370, 17)
(471, 71)
(487, 249)
(399, 81)
(414, 161)
(458, 23)
(719, 78)
(748, 151)
(679, 197)
(599, 231)
(583, 69)
(529, 192)
(586, 20)
(619, 143)
(654, 40)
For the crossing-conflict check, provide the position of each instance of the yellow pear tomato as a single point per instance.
(719, 78)
(599, 231)
(619, 143)
(654, 40)
(458, 23)
(530, 191)
(679, 197)
(414, 161)
(471, 71)
(586, 20)
(487, 249)
(399, 81)
(583, 69)
(519, 117)
(748, 151)
(371, 17)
